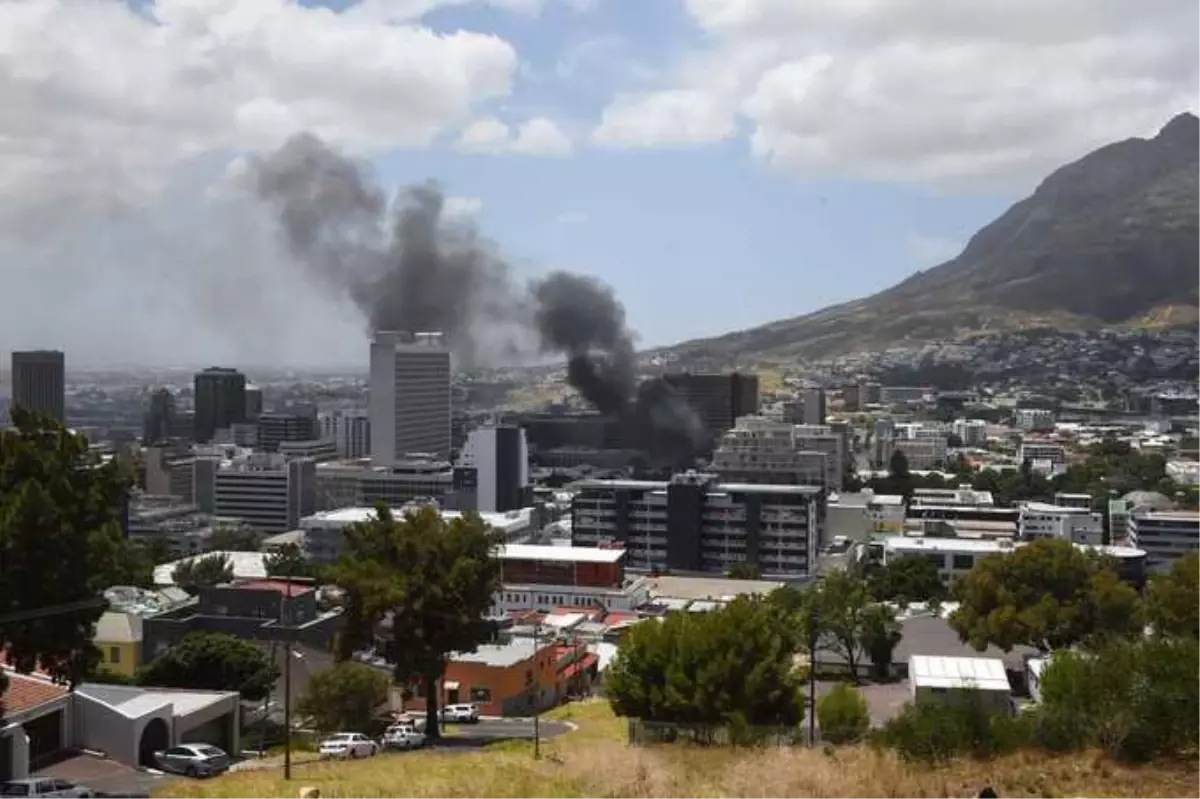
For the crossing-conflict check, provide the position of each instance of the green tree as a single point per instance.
(227, 538)
(841, 604)
(1047, 594)
(879, 635)
(61, 545)
(742, 570)
(907, 579)
(195, 573)
(345, 697)
(843, 715)
(289, 561)
(1171, 599)
(435, 579)
(213, 662)
(730, 667)
(898, 466)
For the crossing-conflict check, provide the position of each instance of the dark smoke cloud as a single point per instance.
(407, 269)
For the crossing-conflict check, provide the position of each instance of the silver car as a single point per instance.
(193, 760)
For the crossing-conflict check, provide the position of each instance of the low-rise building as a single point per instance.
(972, 432)
(1065, 499)
(343, 484)
(1034, 419)
(1165, 535)
(1043, 452)
(1077, 525)
(542, 578)
(953, 679)
(269, 492)
(515, 678)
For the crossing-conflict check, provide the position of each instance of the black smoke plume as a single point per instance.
(408, 268)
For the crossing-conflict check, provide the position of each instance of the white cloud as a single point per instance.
(942, 92)
(100, 101)
(537, 136)
(462, 207)
(930, 250)
(571, 218)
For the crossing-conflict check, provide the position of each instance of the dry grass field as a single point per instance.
(595, 761)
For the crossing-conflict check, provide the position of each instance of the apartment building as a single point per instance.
(694, 522)
(268, 491)
(1054, 456)
(923, 453)
(972, 432)
(1077, 525)
(764, 451)
(1165, 535)
(1030, 419)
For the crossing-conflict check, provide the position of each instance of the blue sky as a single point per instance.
(721, 163)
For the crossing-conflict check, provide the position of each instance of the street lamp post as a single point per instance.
(537, 730)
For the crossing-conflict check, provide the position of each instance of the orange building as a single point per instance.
(502, 679)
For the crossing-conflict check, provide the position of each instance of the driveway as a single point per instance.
(103, 775)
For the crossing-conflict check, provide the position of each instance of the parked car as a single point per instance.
(403, 735)
(348, 744)
(460, 714)
(193, 760)
(43, 786)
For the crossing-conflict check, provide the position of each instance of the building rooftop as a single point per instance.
(246, 566)
(1049, 507)
(709, 588)
(27, 692)
(1168, 515)
(497, 655)
(115, 627)
(135, 702)
(560, 554)
(932, 671)
(912, 544)
(509, 521)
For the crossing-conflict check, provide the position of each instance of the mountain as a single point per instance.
(1107, 240)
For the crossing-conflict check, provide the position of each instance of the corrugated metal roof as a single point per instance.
(985, 674)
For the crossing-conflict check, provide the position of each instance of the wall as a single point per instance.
(512, 692)
(129, 656)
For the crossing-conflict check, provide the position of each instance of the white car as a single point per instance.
(43, 786)
(348, 744)
(403, 735)
(461, 714)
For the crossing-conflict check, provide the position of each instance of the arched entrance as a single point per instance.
(155, 738)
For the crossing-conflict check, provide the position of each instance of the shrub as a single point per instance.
(932, 731)
(843, 715)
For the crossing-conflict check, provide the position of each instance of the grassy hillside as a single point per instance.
(594, 761)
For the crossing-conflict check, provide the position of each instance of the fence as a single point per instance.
(645, 733)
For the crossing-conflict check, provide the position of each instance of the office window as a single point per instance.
(481, 694)
(114, 654)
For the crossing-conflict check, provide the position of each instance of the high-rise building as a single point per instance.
(220, 398)
(298, 424)
(409, 405)
(814, 405)
(39, 383)
(763, 451)
(349, 430)
(159, 423)
(254, 403)
(718, 399)
(500, 458)
(269, 492)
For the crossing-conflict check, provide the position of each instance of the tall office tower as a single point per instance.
(500, 458)
(39, 383)
(254, 403)
(349, 430)
(814, 406)
(718, 399)
(409, 406)
(159, 422)
(220, 397)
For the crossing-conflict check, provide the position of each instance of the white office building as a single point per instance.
(409, 405)
(1165, 535)
(759, 450)
(1034, 418)
(350, 432)
(953, 557)
(268, 491)
(1077, 525)
(500, 457)
(973, 432)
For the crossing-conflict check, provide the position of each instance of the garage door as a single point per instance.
(45, 737)
(215, 732)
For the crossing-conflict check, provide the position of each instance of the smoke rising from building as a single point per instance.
(407, 267)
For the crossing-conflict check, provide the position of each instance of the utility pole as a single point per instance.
(812, 671)
(284, 596)
(537, 730)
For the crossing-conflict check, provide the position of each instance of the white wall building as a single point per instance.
(409, 404)
(500, 457)
(1165, 535)
(1034, 418)
(973, 432)
(764, 451)
(953, 557)
(948, 679)
(1077, 525)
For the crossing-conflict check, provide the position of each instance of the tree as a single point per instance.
(195, 573)
(345, 697)
(742, 570)
(1171, 606)
(1047, 594)
(61, 546)
(843, 715)
(289, 561)
(226, 538)
(213, 662)
(954, 441)
(878, 635)
(841, 603)
(435, 579)
(907, 579)
(898, 466)
(730, 667)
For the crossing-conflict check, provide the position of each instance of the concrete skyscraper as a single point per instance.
(500, 457)
(409, 407)
(39, 383)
